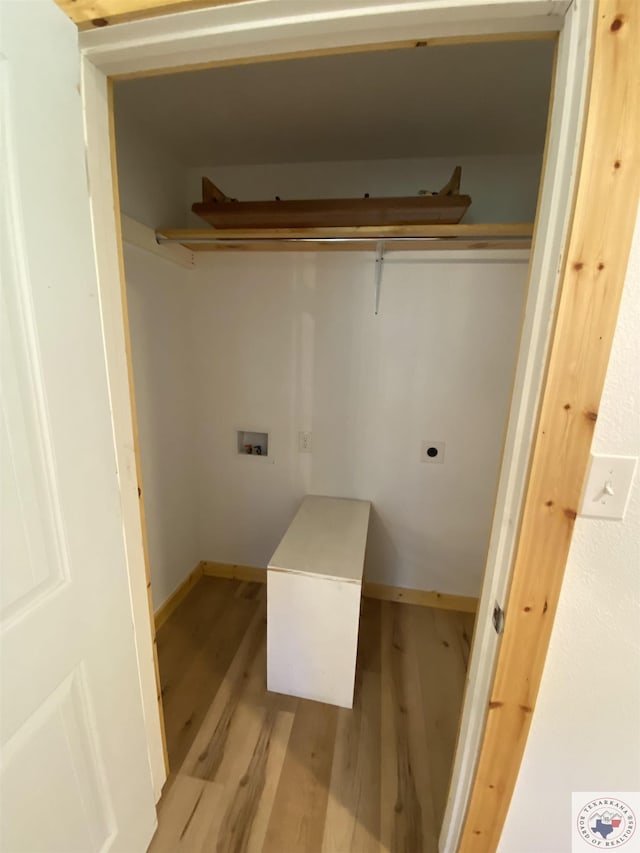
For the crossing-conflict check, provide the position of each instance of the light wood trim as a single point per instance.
(234, 572)
(88, 14)
(411, 44)
(388, 232)
(591, 287)
(422, 597)
(134, 412)
(383, 592)
(177, 597)
(446, 244)
(514, 452)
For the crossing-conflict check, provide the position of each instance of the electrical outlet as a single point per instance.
(432, 451)
(304, 441)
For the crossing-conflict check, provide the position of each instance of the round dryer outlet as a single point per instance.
(432, 451)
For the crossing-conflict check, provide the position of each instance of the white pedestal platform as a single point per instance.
(314, 586)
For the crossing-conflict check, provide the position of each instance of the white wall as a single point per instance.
(150, 178)
(503, 189)
(151, 183)
(289, 341)
(160, 323)
(585, 733)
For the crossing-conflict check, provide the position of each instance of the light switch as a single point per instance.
(608, 486)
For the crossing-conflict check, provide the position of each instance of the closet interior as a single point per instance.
(326, 264)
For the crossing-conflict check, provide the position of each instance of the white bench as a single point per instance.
(314, 584)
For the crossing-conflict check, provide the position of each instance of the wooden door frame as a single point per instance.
(591, 280)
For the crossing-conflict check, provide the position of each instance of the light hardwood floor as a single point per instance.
(257, 771)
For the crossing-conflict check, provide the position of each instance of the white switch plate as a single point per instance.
(608, 486)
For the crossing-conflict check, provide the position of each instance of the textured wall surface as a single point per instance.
(160, 323)
(289, 342)
(150, 178)
(585, 734)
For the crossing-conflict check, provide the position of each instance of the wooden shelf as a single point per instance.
(445, 207)
(510, 235)
(381, 224)
(333, 212)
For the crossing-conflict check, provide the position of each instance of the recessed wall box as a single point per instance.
(251, 443)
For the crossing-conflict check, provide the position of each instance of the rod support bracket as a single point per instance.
(378, 273)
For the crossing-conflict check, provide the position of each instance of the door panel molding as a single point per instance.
(25, 422)
(64, 721)
(75, 769)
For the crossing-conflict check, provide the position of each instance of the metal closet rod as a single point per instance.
(250, 240)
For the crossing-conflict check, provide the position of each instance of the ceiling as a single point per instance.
(471, 99)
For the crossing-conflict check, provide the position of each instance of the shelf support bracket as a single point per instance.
(378, 272)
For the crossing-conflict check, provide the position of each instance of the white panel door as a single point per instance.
(75, 772)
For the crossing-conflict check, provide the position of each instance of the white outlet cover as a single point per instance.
(608, 486)
(305, 441)
(432, 451)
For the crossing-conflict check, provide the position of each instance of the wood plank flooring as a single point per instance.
(257, 772)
